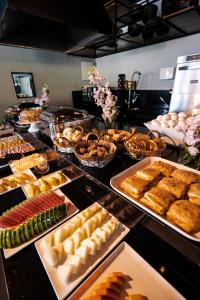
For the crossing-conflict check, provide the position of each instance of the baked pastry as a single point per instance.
(164, 168)
(32, 190)
(110, 288)
(149, 174)
(136, 297)
(2, 189)
(135, 186)
(186, 215)
(26, 162)
(26, 177)
(185, 176)
(194, 193)
(44, 186)
(173, 185)
(28, 116)
(53, 181)
(60, 176)
(158, 200)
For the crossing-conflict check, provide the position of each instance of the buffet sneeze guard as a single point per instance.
(186, 90)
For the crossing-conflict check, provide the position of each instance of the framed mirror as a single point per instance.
(23, 84)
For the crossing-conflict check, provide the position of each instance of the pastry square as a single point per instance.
(173, 185)
(149, 174)
(164, 168)
(158, 200)
(185, 176)
(194, 193)
(135, 186)
(185, 214)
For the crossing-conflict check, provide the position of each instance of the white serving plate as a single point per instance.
(143, 278)
(62, 289)
(169, 134)
(71, 212)
(36, 182)
(28, 171)
(115, 184)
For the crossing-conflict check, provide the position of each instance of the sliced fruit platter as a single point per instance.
(45, 184)
(72, 250)
(15, 180)
(32, 218)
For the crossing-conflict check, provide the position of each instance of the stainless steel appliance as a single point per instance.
(56, 118)
(186, 90)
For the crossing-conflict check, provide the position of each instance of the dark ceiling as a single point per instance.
(136, 25)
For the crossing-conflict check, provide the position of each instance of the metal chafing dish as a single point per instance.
(58, 118)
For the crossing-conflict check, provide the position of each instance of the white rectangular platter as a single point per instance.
(28, 171)
(143, 278)
(53, 188)
(177, 137)
(63, 289)
(71, 212)
(115, 184)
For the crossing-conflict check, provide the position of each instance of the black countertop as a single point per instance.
(175, 257)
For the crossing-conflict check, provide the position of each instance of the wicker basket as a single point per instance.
(113, 138)
(139, 149)
(68, 146)
(91, 159)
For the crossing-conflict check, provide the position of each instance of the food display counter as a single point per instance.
(175, 257)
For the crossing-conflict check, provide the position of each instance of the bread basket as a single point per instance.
(116, 136)
(64, 143)
(142, 145)
(97, 153)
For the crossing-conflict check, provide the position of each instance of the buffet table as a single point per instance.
(175, 257)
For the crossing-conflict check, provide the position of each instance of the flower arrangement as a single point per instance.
(190, 154)
(103, 97)
(44, 100)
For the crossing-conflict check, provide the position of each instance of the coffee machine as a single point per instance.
(186, 90)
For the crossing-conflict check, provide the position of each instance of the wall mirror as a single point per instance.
(24, 84)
